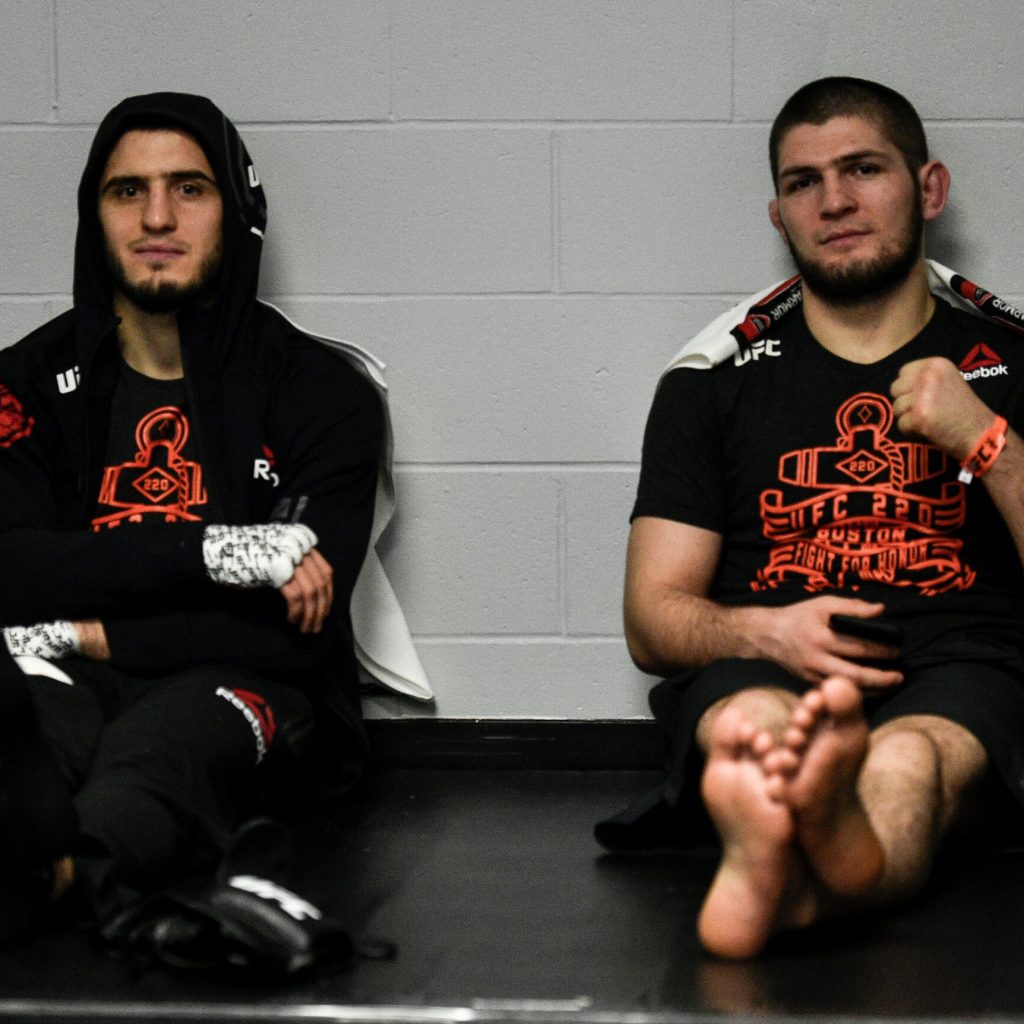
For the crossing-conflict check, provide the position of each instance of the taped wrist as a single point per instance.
(50, 640)
(260, 555)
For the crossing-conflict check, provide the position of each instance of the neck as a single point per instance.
(149, 342)
(865, 332)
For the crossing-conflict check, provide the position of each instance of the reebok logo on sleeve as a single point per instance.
(982, 361)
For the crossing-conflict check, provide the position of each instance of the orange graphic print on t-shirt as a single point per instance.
(868, 509)
(158, 481)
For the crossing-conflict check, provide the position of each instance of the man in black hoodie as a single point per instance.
(186, 495)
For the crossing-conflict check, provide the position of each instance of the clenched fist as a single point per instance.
(932, 400)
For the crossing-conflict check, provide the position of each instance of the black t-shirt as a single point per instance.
(152, 473)
(793, 455)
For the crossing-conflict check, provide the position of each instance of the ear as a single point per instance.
(934, 179)
(776, 218)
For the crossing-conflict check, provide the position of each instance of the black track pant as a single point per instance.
(163, 771)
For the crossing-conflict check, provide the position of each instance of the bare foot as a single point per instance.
(821, 756)
(752, 893)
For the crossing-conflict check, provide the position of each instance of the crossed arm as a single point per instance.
(241, 557)
(147, 600)
(308, 596)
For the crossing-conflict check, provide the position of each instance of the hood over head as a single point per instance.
(245, 217)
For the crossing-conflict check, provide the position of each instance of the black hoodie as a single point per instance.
(257, 387)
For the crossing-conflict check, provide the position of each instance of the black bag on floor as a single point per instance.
(244, 922)
(243, 919)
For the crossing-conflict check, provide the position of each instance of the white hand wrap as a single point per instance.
(50, 640)
(262, 555)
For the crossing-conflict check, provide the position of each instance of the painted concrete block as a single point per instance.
(598, 506)
(39, 172)
(533, 60)
(476, 553)
(586, 679)
(673, 209)
(950, 61)
(557, 379)
(18, 317)
(407, 210)
(307, 60)
(26, 62)
(979, 233)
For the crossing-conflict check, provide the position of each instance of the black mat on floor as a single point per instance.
(504, 909)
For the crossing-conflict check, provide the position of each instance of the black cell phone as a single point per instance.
(867, 629)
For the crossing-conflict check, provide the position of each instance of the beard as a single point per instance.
(168, 296)
(865, 279)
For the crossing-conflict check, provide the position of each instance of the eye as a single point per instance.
(798, 184)
(866, 170)
(191, 188)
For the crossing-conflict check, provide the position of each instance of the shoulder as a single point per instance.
(298, 359)
(769, 345)
(312, 383)
(957, 320)
(979, 345)
(770, 353)
(685, 399)
(51, 340)
(42, 365)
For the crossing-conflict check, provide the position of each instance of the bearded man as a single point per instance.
(187, 489)
(825, 554)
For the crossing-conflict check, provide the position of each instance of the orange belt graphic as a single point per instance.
(158, 481)
(867, 509)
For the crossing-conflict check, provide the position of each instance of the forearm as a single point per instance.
(243, 629)
(671, 623)
(260, 569)
(92, 640)
(1005, 485)
(47, 574)
(676, 631)
(679, 631)
(932, 400)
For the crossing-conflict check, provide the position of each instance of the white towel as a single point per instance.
(383, 644)
(756, 315)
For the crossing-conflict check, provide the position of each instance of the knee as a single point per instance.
(913, 752)
(768, 707)
(905, 747)
(952, 752)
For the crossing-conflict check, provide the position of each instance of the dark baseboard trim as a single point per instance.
(503, 743)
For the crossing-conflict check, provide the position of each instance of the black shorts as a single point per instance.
(986, 698)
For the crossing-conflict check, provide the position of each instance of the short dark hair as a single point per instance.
(820, 101)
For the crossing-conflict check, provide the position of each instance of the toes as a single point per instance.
(762, 743)
(840, 697)
(745, 733)
(775, 788)
(786, 761)
(796, 739)
(732, 734)
(812, 703)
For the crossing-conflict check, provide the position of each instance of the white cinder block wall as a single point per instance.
(524, 207)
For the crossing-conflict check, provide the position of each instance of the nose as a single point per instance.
(158, 214)
(837, 197)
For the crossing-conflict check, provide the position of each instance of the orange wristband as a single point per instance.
(985, 452)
